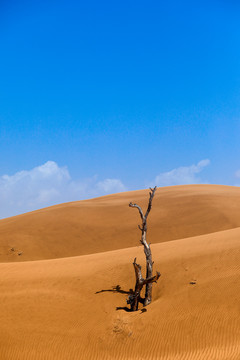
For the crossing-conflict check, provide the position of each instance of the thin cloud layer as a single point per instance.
(237, 175)
(183, 175)
(46, 185)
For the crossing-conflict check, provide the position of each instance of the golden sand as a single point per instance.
(70, 304)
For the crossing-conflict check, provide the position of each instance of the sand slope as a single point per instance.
(107, 223)
(66, 308)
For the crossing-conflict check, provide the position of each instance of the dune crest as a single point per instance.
(107, 223)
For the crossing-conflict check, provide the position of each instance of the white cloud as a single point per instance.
(110, 186)
(182, 175)
(46, 185)
(237, 173)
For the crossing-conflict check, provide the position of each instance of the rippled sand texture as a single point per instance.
(70, 304)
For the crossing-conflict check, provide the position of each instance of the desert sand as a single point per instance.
(66, 271)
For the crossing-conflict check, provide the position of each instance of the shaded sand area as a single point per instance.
(74, 307)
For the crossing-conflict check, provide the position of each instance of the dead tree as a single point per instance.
(140, 282)
(134, 298)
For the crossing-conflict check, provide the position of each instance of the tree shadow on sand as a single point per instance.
(118, 289)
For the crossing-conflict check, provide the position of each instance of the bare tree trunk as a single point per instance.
(147, 249)
(134, 298)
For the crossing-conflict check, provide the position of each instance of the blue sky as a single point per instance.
(98, 97)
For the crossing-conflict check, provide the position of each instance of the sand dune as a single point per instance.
(66, 308)
(107, 223)
(74, 307)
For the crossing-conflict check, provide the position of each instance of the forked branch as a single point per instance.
(134, 298)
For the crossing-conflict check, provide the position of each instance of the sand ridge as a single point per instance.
(107, 223)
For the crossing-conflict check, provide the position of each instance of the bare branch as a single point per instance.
(152, 279)
(138, 271)
(151, 195)
(134, 298)
(139, 209)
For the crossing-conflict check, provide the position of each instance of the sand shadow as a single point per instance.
(125, 308)
(116, 289)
